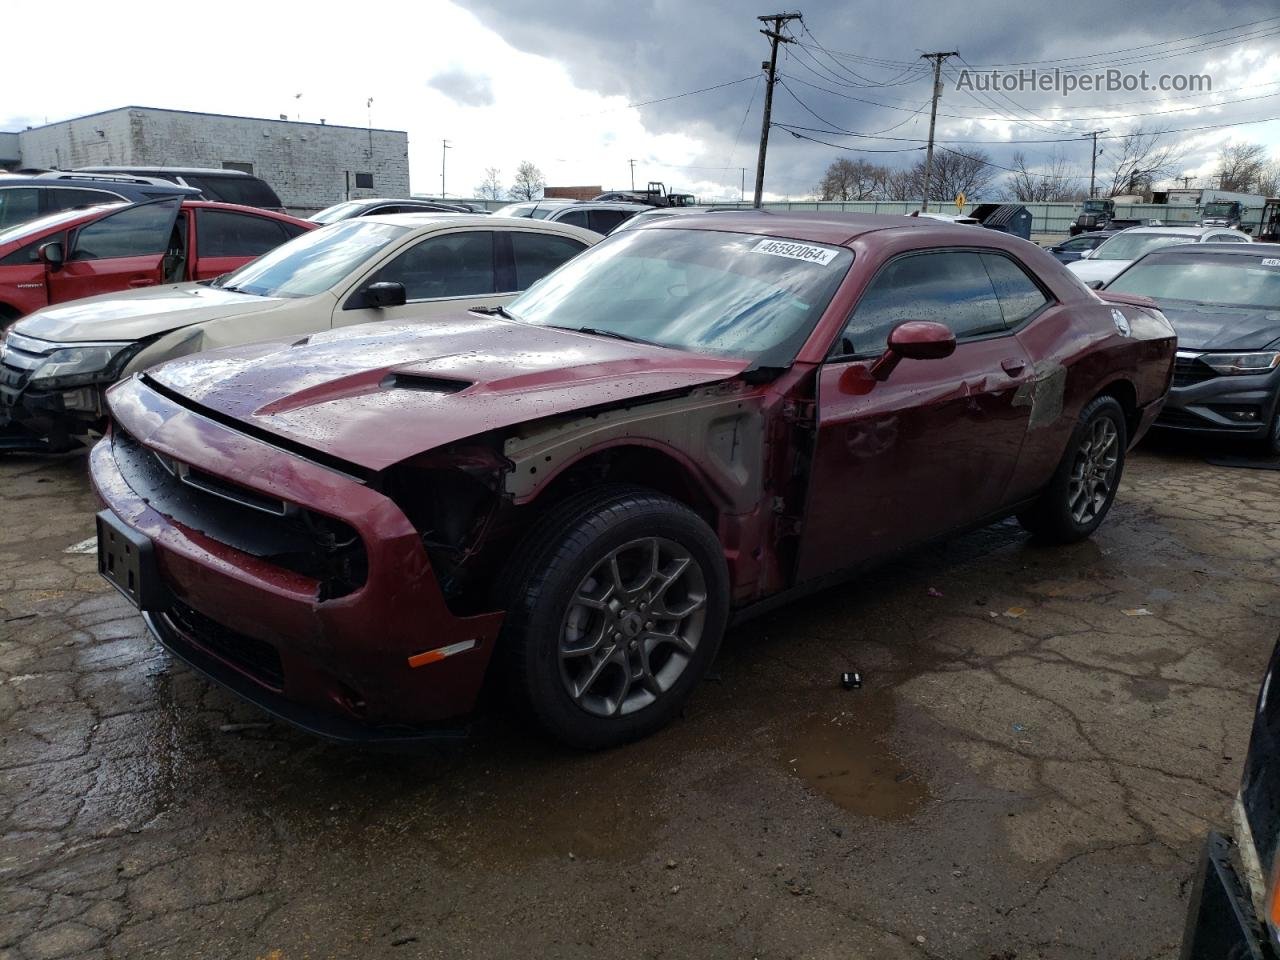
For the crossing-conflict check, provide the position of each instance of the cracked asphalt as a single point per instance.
(1026, 771)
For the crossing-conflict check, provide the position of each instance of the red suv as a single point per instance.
(79, 253)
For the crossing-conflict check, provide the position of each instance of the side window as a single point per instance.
(290, 230)
(220, 233)
(28, 254)
(576, 218)
(605, 221)
(950, 287)
(63, 198)
(18, 205)
(537, 254)
(1018, 295)
(1227, 238)
(134, 232)
(453, 265)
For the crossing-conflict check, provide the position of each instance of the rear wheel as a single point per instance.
(1084, 485)
(615, 609)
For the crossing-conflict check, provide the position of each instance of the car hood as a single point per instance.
(377, 393)
(138, 314)
(1216, 328)
(1104, 270)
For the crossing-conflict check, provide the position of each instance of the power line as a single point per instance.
(674, 96)
(841, 146)
(745, 113)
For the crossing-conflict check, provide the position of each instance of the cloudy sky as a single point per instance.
(557, 82)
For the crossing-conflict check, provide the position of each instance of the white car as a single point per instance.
(1105, 261)
(56, 362)
(601, 216)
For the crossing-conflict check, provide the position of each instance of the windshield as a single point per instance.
(1130, 246)
(1095, 206)
(313, 262)
(727, 294)
(1219, 210)
(536, 209)
(339, 211)
(1226, 280)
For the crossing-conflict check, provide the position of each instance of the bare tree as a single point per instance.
(1240, 165)
(954, 172)
(528, 183)
(490, 187)
(1135, 161)
(901, 184)
(851, 180)
(1269, 179)
(1054, 181)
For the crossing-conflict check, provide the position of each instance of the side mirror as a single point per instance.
(914, 340)
(1087, 254)
(52, 254)
(386, 293)
(1094, 284)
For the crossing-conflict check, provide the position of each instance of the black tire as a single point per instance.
(1057, 515)
(8, 316)
(1271, 445)
(549, 584)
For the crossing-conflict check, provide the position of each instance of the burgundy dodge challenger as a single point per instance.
(577, 493)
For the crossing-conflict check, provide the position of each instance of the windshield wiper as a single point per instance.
(498, 310)
(614, 334)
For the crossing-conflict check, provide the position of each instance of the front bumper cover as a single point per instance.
(339, 667)
(1206, 406)
(1221, 923)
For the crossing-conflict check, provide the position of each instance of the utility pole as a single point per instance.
(1093, 162)
(771, 65)
(444, 146)
(937, 59)
(633, 175)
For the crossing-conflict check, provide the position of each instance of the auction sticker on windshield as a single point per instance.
(795, 251)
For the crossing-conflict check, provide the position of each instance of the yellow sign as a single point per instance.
(960, 201)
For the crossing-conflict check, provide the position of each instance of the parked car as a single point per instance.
(1224, 302)
(537, 209)
(379, 205)
(1071, 249)
(603, 217)
(684, 424)
(227, 186)
(654, 214)
(1109, 258)
(79, 253)
(23, 199)
(56, 363)
(1234, 907)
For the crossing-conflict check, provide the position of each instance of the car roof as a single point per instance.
(62, 179)
(833, 228)
(433, 220)
(607, 205)
(207, 171)
(1175, 230)
(1238, 249)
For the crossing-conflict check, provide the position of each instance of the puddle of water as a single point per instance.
(843, 761)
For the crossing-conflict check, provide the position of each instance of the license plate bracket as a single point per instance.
(126, 560)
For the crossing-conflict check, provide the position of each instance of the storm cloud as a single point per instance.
(660, 47)
(468, 89)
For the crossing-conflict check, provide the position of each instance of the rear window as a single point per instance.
(249, 191)
(18, 205)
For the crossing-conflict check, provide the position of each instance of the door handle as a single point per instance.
(1013, 366)
(143, 283)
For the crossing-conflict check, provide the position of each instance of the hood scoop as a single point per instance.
(423, 382)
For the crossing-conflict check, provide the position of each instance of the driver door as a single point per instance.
(930, 449)
(122, 250)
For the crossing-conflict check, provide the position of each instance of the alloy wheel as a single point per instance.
(632, 626)
(1093, 473)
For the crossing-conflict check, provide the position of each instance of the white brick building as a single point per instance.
(310, 165)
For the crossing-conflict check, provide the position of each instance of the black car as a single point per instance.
(223, 185)
(25, 198)
(1223, 300)
(1235, 903)
(1068, 251)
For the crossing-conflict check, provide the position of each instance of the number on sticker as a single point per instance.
(795, 251)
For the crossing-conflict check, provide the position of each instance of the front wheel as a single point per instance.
(615, 608)
(1084, 485)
